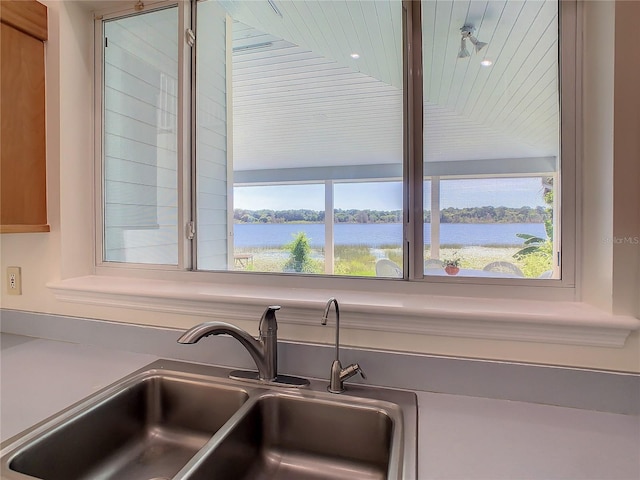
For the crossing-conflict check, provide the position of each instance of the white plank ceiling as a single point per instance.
(300, 100)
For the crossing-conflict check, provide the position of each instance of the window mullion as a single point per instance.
(435, 217)
(184, 137)
(190, 186)
(413, 209)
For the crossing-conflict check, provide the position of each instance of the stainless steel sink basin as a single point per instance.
(148, 429)
(283, 437)
(176, 420)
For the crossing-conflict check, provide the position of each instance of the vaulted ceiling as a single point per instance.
(300, 99)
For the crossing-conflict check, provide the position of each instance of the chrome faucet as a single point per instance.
(263, 350)
(338, 374)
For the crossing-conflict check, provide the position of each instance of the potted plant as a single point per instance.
(452, 264)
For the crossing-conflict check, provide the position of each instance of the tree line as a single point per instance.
(486, 214)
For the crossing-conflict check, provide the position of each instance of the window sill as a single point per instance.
(560, 322)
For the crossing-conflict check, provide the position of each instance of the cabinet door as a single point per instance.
(23, 206)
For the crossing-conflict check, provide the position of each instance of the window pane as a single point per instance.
(140, 142)
(491, 137)
(279, 228)
(368, 228)
(296, 104)
(485, 222)
(213, 152)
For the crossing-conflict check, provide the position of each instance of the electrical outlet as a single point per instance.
(14, 281)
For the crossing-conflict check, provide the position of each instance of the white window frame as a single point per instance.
(183, 132)
(566, 190)
(564, 289)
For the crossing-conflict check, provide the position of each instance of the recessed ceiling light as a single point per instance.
(486, 63)
(355, 56)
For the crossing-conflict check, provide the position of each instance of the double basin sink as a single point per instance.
(175, 420)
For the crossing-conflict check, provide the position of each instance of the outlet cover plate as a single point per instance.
(14, 280)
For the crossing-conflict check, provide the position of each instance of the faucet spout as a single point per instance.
(263, 350)
(333, 301)
(338, 374)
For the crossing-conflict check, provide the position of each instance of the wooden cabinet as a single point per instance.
(23, 202)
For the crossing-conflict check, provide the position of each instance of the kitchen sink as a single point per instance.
(177, 420)
(284, 437)
(148, 429)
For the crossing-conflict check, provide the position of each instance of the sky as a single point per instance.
(506, 192)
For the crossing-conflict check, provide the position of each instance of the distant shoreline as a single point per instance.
(470, 215)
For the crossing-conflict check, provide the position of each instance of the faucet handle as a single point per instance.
(350, 371)
(360, 371)
(269, 318)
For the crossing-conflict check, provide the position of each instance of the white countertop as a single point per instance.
(459, 437)
(480, 438)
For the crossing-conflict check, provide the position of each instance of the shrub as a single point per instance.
(300, 255)
(537, 262)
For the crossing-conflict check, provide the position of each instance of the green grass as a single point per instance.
(360, 261)
(354, 260)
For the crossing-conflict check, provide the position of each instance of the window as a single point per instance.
(298, 139)
(491, 137)
(140, 186)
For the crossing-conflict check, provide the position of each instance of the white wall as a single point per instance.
(597, 165)
(611, 170)
(68, 250)
(73, 121)
(626, 165)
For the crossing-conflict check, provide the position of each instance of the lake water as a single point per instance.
(379, 234)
